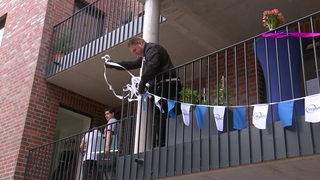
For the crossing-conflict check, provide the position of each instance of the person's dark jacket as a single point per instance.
(157, 60)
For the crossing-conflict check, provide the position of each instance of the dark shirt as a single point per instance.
(157, 60)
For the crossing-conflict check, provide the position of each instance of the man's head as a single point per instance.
(109, 113)
(136, 46)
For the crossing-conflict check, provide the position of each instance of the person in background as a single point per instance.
(111, 127)
(89, 146)
(154, 59)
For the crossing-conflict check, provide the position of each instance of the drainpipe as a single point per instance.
(143, 134)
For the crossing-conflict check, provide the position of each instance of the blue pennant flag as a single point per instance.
(171, 105)
(239, 118)
(285, 111)
(200, 110)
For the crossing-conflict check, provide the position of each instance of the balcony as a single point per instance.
(189, 149)
(235, 76)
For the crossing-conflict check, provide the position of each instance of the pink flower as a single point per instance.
(272, 18)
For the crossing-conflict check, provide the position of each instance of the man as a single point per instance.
(89, 146)
(110, 142)
(110, 129)
(154, 59)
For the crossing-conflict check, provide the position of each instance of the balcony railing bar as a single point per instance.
(314, 49)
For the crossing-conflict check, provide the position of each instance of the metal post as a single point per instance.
(150, 34)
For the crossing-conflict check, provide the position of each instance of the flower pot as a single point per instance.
(58, 56)
(281, 71)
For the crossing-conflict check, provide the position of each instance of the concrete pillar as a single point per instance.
(143, 132)
(151, 21)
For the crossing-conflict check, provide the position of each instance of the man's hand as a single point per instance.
(106, 65)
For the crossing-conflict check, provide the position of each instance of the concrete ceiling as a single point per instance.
(193, 28)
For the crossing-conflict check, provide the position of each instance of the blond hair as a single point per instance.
(135, 40)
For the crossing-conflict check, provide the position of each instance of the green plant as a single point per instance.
(223, 96)
(64, 42)
(188, 95)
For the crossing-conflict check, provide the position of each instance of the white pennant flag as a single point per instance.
(259, 116)
(185, 109)
(156, 101)
(218, 112)
(312, 108)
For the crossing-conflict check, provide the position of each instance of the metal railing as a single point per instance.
(93, 29)
(255, 71)
(65, 159)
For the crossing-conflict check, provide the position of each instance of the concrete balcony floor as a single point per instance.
(301, 168)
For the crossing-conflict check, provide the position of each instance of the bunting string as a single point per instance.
(260, 111)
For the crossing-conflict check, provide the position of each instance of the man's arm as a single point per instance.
(108, 139)
(82, 145)
(151, 67)
(127, 64)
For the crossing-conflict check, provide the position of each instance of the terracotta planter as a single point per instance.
(58, 56)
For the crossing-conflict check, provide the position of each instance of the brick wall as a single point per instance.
(29, 105)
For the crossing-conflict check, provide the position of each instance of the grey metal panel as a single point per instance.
(205, 154)
(163, 162)
(256, 150)
(133, 167)
(196, 131)
(206, 122)
(280, 141)
(120, 168)
(171, 161)
(155, 163)
(196, 155)
(175, 129)
(139, 167)
(292, 140)
(214, 151)
(179, 159)
(305, 135)
(148, 165)
(316, 136)
(234, 148)
(224, 150)
(268, 143)
(245, 146)
(127, 167)
(187, 158)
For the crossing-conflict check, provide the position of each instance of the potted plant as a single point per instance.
(223, 100)
(64, 43)
(272, 19)
(279, 64)
(223, 95)
(188, 95)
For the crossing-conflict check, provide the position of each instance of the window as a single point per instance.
(2, 23)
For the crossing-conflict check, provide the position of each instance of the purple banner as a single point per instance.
(292, 34)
